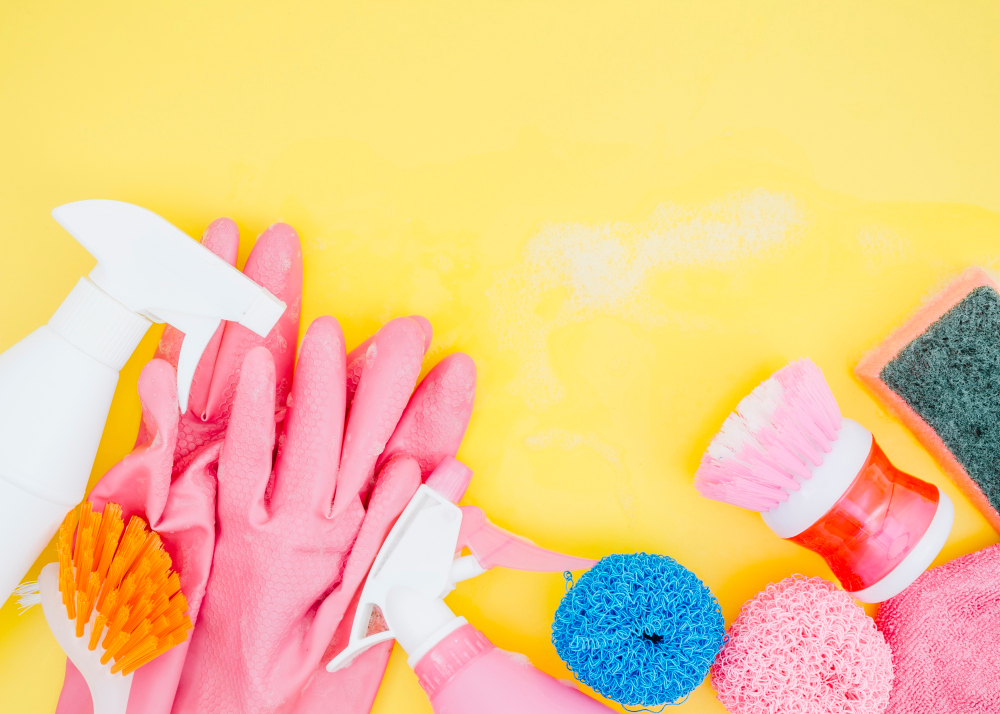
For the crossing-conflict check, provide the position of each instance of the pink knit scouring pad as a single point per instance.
(943, 635)
(940, 374)
(803, 647)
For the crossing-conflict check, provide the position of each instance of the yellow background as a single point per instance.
(466, 161)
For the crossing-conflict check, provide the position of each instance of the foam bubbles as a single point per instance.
(882, 247)
(605, 269)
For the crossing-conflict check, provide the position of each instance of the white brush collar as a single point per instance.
(830, 480)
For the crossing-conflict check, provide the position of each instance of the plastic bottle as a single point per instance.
(461, 671)
(57, 383)
(877, 527)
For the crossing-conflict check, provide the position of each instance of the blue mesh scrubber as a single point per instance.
(639, 629)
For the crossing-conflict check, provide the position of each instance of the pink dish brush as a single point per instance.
(821, 480)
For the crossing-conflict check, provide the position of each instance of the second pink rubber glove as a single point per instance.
(296, 540)
(430, 430)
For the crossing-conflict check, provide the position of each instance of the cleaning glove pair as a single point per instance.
(272, 545)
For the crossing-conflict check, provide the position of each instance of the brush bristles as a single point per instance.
(773, 439)
(125, 575)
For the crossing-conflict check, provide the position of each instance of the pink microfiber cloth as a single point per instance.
(943, 635)
(803, 647)
(940, 374)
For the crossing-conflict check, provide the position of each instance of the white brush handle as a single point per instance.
(109, 691)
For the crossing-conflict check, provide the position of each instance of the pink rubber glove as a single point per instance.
(431, 429)
(275, 263)
(169, 478)
(287, 565)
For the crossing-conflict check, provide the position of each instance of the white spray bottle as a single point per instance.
(56, 384)
(420, 562)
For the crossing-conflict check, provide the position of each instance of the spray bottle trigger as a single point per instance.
(492, 546)
(198, 331)
(356, 648)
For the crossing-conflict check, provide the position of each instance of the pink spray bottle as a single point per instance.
(418, 565)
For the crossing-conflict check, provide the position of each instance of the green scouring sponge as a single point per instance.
(940, 373)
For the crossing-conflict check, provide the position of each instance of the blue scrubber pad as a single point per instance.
(639, 629)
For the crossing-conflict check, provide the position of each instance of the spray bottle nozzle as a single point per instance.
(420, 562)
(156, 270)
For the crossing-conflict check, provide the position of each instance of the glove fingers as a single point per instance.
(437, 415)
(309, 453)
(275, 263)
(188, 522)
(356, 357)
(425, 326)
(392, 365)
(245, 462)
(140, 482)
(222, 237)
(397, 483)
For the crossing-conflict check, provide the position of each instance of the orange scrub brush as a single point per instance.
(112, 601)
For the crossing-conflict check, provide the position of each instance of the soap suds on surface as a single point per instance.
(572, 441)
(604, 270)
(443, 263)
(440, 344)
(882, 247)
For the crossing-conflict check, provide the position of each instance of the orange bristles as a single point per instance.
(164, 644)
(95, 634)
(82, 606)
(131, 542)
(107, 540)
(116, 645)
(115, 625)
(146, 646)
(84, 521)
(123, 574)
(85, 602)
(64, 549)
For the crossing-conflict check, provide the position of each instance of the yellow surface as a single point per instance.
(627, 213)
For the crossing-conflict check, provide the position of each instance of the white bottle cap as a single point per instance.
(148, 266)
(419, 621)
(97, 324)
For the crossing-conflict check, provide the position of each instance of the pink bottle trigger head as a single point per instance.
(418, 565)
(494, 547)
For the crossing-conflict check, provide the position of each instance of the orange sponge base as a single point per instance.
(870, 368)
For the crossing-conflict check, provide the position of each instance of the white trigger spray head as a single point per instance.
(420, 562)
(416, 556)
(156, 270)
